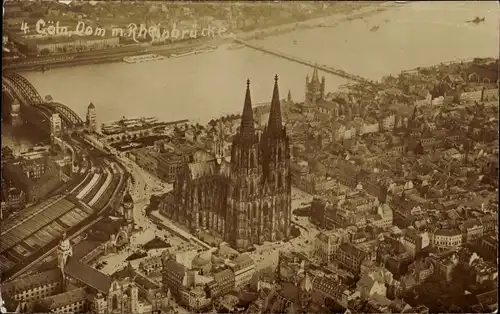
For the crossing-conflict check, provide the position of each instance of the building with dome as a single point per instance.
(202, 262)
(196, 279)
(73, 286)
(76, 287)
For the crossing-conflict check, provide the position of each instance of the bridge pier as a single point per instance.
(34, 109)
(15, 114)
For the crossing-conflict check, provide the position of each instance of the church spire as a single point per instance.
(247, 129)
(315, 77)
(219, 144)
(274, 124)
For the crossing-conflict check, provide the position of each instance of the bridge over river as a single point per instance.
(324, 68)
(34, 108)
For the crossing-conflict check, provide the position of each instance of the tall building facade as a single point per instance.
(64, 252)
(91, 121)
(248, 200)
(128, 209)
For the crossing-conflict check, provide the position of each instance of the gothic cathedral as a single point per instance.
(248, 200)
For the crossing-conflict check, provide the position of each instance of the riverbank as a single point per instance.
(204, 86)
(103, 57)
(352, 10)
(349, 12)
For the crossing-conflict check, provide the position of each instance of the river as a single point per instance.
(199, 87)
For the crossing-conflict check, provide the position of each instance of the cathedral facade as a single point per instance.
(248, 200)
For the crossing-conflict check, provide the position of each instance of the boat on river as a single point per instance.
(235, 46)
(477, 20)
(183, 54)
(143, 58)
(208, 49)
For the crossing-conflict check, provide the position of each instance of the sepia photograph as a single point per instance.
(258, 157)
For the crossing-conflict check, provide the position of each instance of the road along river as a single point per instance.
(209, 84)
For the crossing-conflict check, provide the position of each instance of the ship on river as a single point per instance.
(235, 46)
(182, 54)
(143, 58)
(193, 52)
(477, 20)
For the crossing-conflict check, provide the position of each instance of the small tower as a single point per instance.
(219, 144)
(91, 119)
(128, 208)
(55, 126)
(322, 88)
(168, 297)
(134, 298)
(305, 290)
(15, 113)
(99, 304)
(64, 251)
(289, 97)
(306, 99)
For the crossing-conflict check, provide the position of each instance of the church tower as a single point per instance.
(15, 113)
(55, 126)
(243, 212)
(219, 144)
(128, 209)
(91, 119)
(315, 89)
(276, 175)
(64, 251)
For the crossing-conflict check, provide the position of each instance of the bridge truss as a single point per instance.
(65, 113)
(15, 84)
(29, 92)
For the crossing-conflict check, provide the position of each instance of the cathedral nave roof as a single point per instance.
(198, 170)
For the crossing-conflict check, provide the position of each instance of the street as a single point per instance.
(144, 186)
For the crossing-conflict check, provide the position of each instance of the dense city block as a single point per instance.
(377, 196)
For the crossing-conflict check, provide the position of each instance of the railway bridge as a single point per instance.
(34, 109)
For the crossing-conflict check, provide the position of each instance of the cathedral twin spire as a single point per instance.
(247, 129)
(274, 125)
